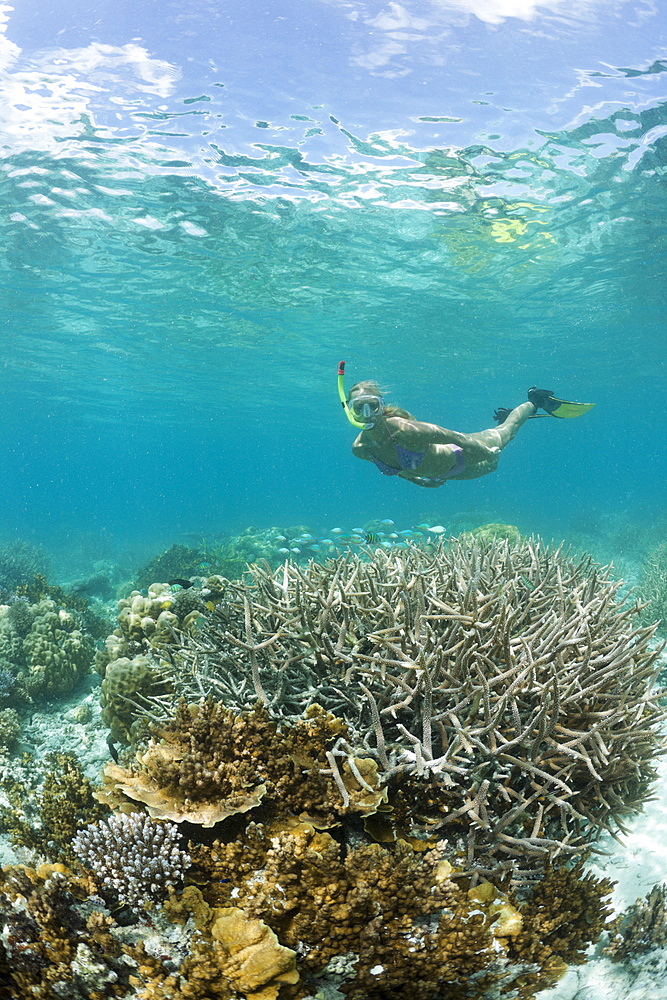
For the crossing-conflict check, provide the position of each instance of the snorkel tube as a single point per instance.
(343, 399)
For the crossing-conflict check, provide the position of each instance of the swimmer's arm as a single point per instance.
(361, 450)
(417, 435)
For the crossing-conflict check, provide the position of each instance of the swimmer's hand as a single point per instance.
(428, 483)
(501, 414)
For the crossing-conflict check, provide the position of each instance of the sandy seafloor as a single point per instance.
(636, 862)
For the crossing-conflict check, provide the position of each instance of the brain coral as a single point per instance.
(502, 689)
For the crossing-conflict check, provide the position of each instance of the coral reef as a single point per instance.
(372, 778)
(133, 854)
(496, 532)
(19, 562)
(126, 688)
(406, 923)
(48, 823)
(641, 928)
(491, 683)
(57, 654)
(57, 943)
(146, 623)
(209, 763)
(178, 561)
(9, 687)
(43, 647)
(10, 727)
(653, 587)
(228, 556)
(291, 913)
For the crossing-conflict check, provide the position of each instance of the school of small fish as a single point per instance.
(378, 533)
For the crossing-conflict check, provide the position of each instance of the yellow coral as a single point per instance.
(258, 963)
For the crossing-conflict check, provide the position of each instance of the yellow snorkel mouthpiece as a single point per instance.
(343, 398)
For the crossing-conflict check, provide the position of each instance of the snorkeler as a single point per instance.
(428, 455)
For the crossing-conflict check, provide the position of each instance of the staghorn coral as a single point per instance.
(641, 928)
(503, 690)
(653, 587)
(133, 854)
(480, 706)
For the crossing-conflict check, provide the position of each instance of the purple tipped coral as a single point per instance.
(135, 855)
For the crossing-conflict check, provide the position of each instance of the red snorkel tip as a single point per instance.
(341, 368)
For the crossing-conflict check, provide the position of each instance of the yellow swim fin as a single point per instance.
(565, 407)
(544, 399)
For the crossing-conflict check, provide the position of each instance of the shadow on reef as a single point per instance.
(375, 777)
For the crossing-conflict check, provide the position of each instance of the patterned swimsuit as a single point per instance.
(409, 461)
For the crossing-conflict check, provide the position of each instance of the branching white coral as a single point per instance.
(135, 855)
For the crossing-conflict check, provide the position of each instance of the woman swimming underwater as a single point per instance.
(428, 455)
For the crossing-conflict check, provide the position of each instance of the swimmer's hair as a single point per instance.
(374, 388)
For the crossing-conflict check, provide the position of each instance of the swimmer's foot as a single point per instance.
(542, 399)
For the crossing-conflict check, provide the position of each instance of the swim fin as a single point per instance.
(567, 408)
(545, 399)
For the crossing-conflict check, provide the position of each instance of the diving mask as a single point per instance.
(366, 407)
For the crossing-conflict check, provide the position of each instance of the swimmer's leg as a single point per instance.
(499, 437)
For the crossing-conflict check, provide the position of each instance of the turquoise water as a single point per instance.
(180, 282)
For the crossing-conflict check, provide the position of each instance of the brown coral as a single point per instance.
(394, 922)
(64, 804)
(210, 763)
(566, 912)
(51, 945)
(642, 927)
